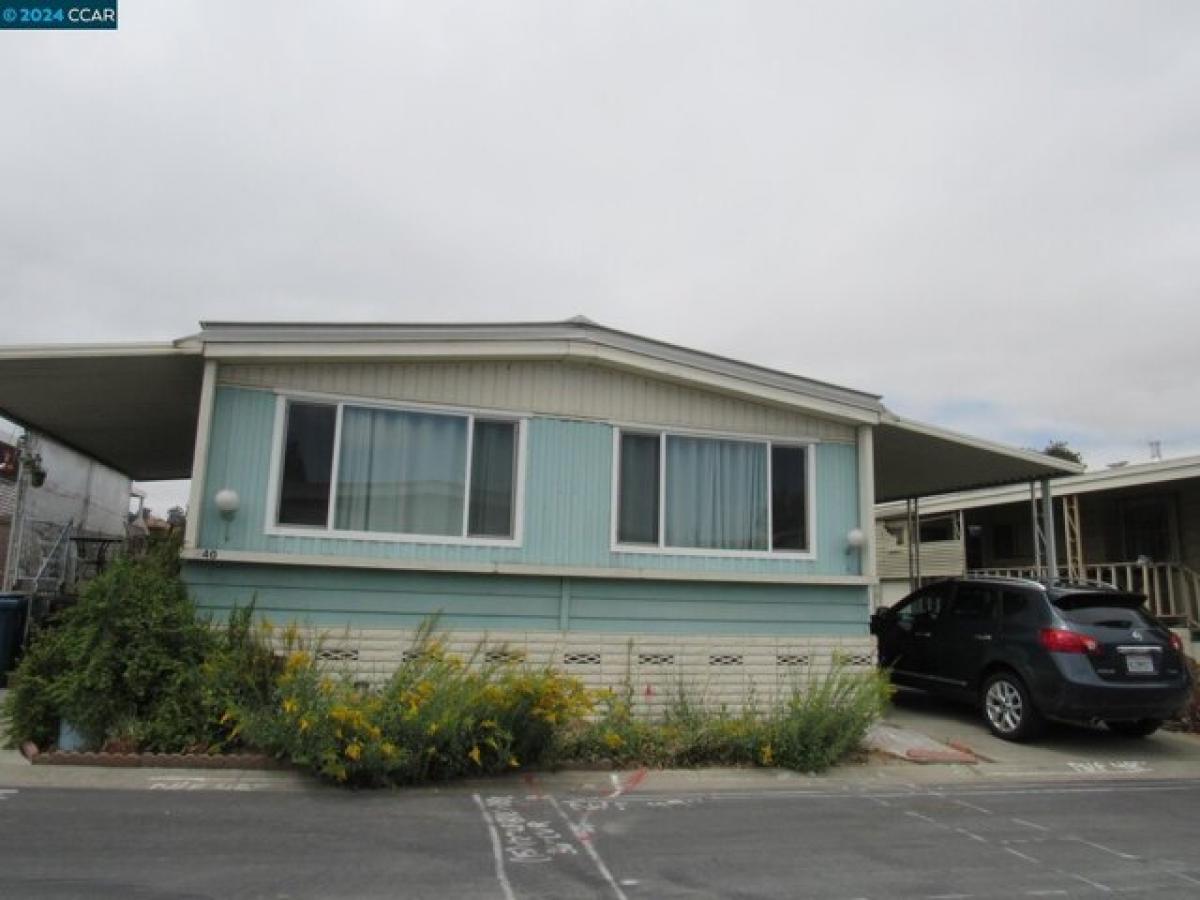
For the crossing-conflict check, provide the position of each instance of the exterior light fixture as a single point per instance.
(855, 539)
(227, 501)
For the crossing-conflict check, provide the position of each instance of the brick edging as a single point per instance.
(158, 760)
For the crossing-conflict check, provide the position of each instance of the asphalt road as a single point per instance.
(1091, 839)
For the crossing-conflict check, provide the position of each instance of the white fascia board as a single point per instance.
(1087, 483)
(562, 350)
(93, 351)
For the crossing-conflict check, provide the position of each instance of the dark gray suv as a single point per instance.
(1026, 650)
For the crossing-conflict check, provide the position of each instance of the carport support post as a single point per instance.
(1048, 531)
(866, 511)
(208, 389)
(1035, 529)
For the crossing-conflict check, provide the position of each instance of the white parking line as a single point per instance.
(1029, 824)
(1024, 856)
(501, 874)
(584, 838)
(1080, 840)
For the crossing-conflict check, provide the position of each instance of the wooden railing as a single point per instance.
(1172, 590)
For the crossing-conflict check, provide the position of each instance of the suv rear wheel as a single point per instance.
(1008, 709)
(1135, 729)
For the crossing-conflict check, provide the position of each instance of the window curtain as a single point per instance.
(493, 464)
(716, 494)
(401, 472)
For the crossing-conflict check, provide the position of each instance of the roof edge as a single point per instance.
(575, 329)
(61, 351)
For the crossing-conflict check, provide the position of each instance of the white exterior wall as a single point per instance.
(552, 388)
(78, 489)
(716, 670)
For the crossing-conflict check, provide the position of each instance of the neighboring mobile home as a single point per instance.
(64, 523)
(587, 496)
(1134, 526)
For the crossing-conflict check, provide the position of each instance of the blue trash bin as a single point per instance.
(13, 610)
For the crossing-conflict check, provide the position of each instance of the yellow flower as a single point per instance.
(766, 756)
(304, 725)
(289, 705)
(387, 749)
(474, 754)
(613, 740)
(296, 661)
(353, 750)
(326, 686)
(433, 728)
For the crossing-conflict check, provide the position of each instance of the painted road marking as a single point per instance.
(1097, 885)
(1029, 824)
(1024, 856)
(585, 841)
(201, 784)
(1102, 847)
(980, 809)
(501, 874)
(5, 793)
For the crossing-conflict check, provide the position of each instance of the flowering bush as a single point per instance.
(812, 728)
(439, 716)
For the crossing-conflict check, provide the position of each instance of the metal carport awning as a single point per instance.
(132, 407)
(915, 460)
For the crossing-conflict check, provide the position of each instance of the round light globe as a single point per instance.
(227, 501)
(855, 538)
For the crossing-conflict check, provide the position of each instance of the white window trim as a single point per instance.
(662, 548)
(272, 527)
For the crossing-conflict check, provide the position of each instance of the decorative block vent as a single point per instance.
(726, 659)
(860, 659)
(337, 654)
(792, 659)
(581, 659)
(656, 659)
(504, 656)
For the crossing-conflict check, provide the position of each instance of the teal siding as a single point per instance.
(567, 503)
(356, 598)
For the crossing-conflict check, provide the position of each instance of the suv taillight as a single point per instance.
(1062, 640)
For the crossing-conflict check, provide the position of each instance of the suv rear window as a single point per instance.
(1109, 610)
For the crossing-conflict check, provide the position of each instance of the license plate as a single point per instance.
(1140, 664)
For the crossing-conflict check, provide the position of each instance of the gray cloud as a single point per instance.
(986, 212)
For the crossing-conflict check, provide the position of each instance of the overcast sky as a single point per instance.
(987, 212)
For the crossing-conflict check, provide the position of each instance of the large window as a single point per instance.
(350, 468)
(717, 494)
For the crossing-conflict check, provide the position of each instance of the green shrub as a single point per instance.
(818, 726)
(131, 664)
(812, 728)
(439, 716)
